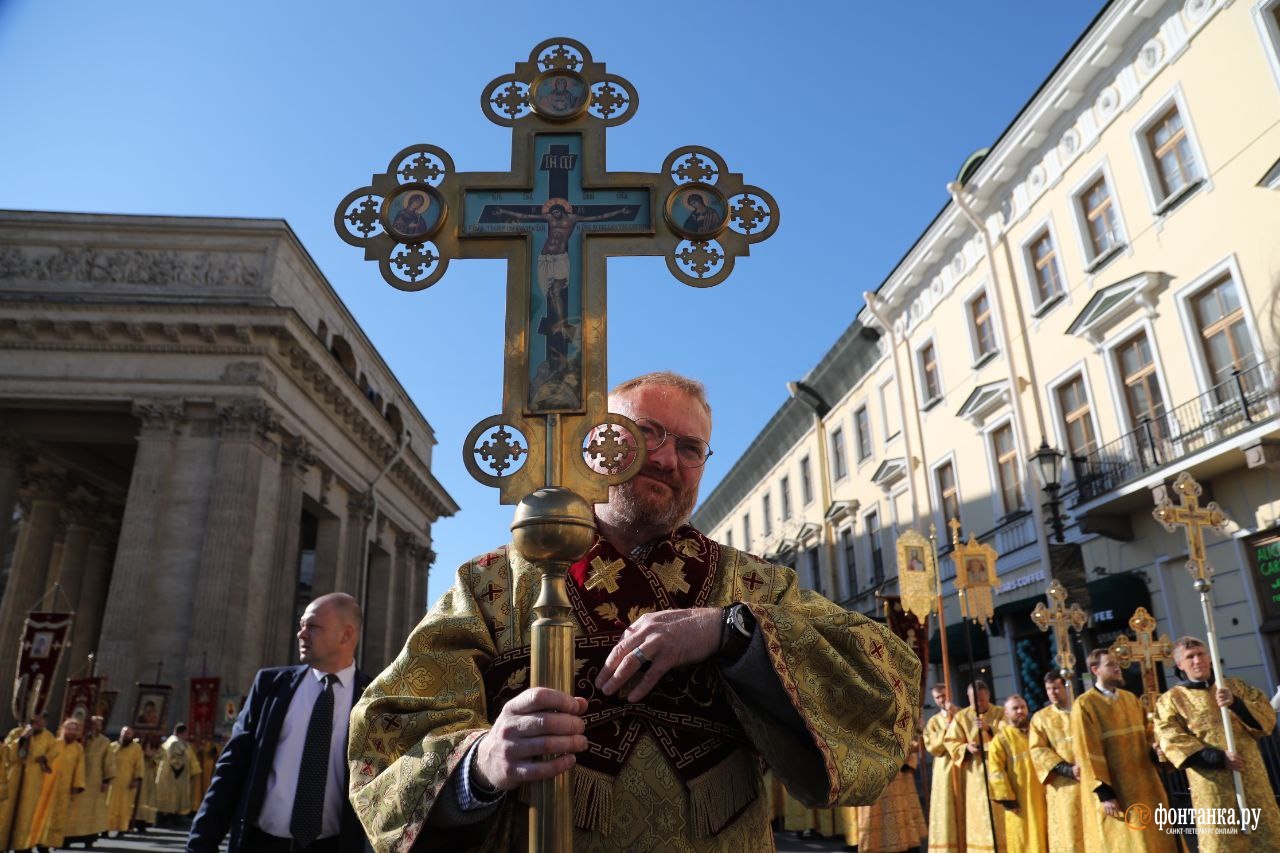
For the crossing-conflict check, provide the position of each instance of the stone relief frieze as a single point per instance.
(131, 266)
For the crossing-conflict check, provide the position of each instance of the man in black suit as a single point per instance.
(280, 785)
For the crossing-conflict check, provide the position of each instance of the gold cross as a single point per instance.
(1060, 618)
(1144, 651)
(555, 218)
(1195, 519)
(671, 575)
(605, 574)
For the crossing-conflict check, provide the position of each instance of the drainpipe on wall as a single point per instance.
(1030, 477)
(871, 300)
(373, 518)
(804, 394)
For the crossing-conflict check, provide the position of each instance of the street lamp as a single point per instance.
(1048, 461)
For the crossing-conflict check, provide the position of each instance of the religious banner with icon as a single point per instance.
(106, 703)
(975, 576)
(44, 638)
(229, 709)
(150, 707)
(917, 574)
(202, 707)
(82, 698)
(913, 631)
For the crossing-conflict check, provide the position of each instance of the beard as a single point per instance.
(642, 507)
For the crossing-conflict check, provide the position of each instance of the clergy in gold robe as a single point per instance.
(895, 822)
(945, 829)
(173, 783)
(126, 784)
(88, 815)
(1189, 729)
(28, 748)
(1118, 775)
(1014, 783)
(195, 780)
(692, 663)
(145, 814)
(62, 784)
(968, 741)
(1054, 758)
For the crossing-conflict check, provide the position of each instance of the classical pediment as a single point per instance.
(1116, 303)
(984, 401)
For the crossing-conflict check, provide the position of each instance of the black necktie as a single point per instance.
(313, 771)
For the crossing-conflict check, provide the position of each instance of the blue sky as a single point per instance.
(854, 115)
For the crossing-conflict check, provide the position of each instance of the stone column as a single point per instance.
(93, 590)
(118, 646)
(351, 566)
(397, 589)
(67, 570)
(296, 458)
(41, 494)
(377, 611)
(14, 454)
(416, 604)
(219, 619)
(414, 549)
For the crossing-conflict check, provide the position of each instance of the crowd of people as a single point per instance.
(78, 786)
(1082, 775)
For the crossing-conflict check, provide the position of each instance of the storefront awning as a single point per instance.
(955, 643)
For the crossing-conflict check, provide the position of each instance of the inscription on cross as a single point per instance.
(555, 217)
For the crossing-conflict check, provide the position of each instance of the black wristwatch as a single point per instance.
(736, 630)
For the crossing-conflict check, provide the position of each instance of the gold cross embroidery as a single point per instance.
(671, 575)
(605, 574)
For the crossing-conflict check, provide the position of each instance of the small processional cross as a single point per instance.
(555, 217)
(1146, 651)
(1060, 618)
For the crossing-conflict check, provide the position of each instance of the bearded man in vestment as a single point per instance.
(693, 662)
(173, 783)
(62, 784)
(945, 829)
(1117, 764)
(895, 822)
(1054, 756)
(126, 783)
(88, 815)
(1014, 783)
(28, 748)
(1189, 729)
(968, 740)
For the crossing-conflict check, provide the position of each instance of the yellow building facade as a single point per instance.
(1118, 304)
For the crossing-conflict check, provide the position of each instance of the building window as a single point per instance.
(1143, 401)
(1224, 336)
(839, 467)
(984, 334)
(806, 482)
(930, 381)
(1172, 159)
(850, 560)
(871, 521)
(1102, 223)
(728, 537)
(948, 493)
(1008, 469)
(784, 491)
(862, 432)
(889, 408)
(814, 566)
(767, 507)
(1044, 267)
(1077, 419)
(746, 531)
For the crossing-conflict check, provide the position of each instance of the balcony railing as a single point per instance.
(1248, 398)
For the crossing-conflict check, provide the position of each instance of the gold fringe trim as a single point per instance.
(592, 799)
(719, 794)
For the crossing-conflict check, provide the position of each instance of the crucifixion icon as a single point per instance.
(555, 217)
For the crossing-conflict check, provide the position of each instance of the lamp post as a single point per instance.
(1048, 464)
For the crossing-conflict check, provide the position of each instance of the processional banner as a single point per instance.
(203, 707)
(151, 707)
(82, 697)
(44, 639)
(913, 631)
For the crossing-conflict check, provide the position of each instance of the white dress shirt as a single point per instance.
(282, 784)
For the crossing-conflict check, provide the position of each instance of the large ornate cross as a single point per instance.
(1146, 652)
(1061, 618)
(555, 217)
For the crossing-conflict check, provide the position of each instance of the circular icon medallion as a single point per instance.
(697, 211)
(413, 213)
(559, 95)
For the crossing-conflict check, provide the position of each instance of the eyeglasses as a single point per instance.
(691, 452)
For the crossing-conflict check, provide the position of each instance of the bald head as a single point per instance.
(328, 632)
